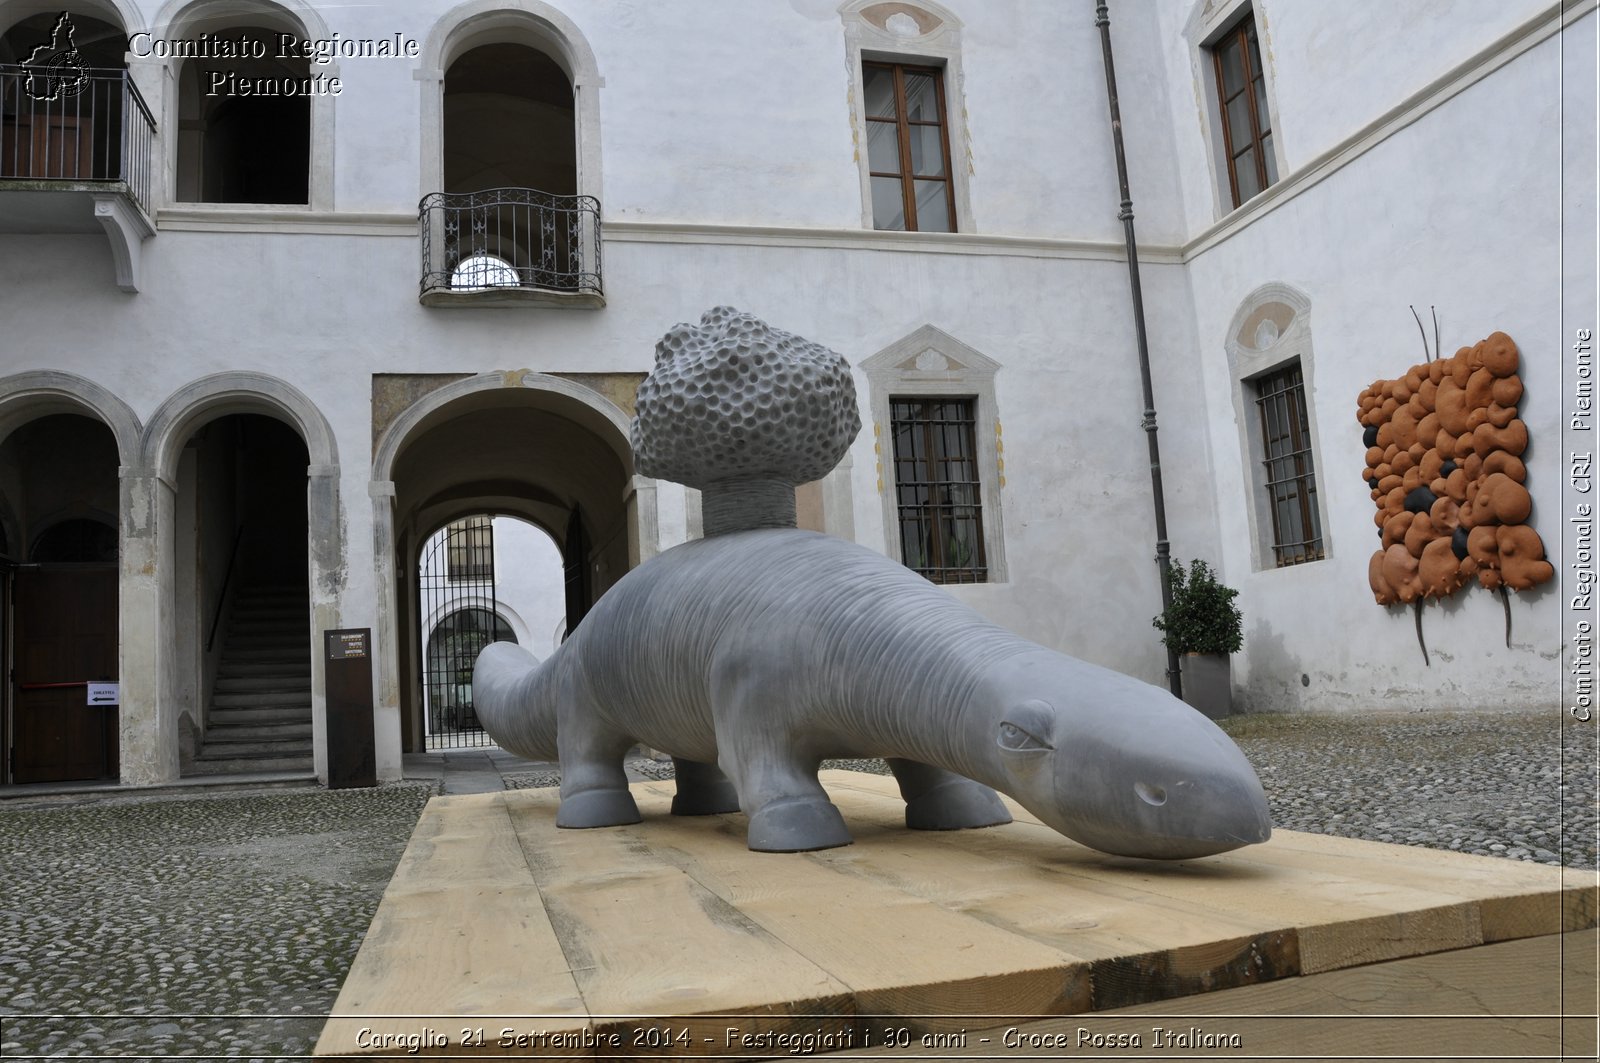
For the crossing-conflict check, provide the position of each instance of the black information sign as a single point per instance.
(352, 760)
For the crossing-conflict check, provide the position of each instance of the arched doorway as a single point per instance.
(242, 602)
(482, 579)
(549, 453)
(58, 569)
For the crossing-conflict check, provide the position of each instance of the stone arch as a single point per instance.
(426, 470)
(170, 601)
(25, 396)
(607, 418)
(535, 24)
(233, 392)
(117, 12)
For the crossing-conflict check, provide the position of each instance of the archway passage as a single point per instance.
(243, 603)
(58, 495)
(541, 457)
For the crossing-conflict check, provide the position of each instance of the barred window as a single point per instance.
(1291, 485)
(471, 549)
(1242, 100)
(937, 491)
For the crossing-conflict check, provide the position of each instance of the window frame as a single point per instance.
(927, 516)
(1244, 35)
(929, 36)
(931, 363)
(1288, 384)
(902, 122)
(1269, 333)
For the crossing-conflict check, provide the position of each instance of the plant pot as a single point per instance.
(1208, 683)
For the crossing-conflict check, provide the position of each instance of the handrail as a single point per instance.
(510, 238)
(97, 128)
(222, 595)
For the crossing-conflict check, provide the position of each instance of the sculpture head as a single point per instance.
(1124, 767)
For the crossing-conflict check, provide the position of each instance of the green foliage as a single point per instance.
(1202, 617)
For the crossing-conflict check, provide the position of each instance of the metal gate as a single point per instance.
(459, 618)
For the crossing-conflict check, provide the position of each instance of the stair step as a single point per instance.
(267, 715)
(291, 731)
(299, 667)
(254, 748)
(263, 629)
(239, 765)
(266, 654)
(274, 683)
(263, 700)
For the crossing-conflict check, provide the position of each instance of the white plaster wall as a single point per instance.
(1461, 212)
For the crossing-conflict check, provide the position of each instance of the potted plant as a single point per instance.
(1204, 625)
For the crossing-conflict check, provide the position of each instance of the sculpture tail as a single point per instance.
(514, 696)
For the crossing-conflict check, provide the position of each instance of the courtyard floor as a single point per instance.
(221, 924)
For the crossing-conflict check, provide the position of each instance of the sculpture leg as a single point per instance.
(702, 789)
(776, 782)
(594, 786)
(942, 800)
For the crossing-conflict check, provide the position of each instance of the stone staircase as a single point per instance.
(260, 718)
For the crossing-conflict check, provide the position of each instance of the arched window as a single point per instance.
(245, 135)
(63, 96)
(513, 121)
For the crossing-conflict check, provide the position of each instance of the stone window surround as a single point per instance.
(533, 24)
(966, 373)
(1209, 21)
(175, 21)
(937, 47)
(1248, 363)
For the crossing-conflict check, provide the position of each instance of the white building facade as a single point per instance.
(245, 377)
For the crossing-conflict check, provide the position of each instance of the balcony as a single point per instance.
(510, 247)
(75, 156)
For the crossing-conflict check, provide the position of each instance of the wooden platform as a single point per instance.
(502, 935)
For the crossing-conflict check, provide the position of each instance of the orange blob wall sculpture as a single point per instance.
(1444, 461)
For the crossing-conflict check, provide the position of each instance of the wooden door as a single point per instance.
(47, 144)
(65, 634)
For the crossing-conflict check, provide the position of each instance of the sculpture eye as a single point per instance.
(1017, 740)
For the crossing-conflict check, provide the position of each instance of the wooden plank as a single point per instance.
(900, 954)
(1351, 901)
(1494, 1001)
(669, 937)
(665, 965)
(460, 943)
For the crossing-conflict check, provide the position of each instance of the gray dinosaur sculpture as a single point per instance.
(755, 653)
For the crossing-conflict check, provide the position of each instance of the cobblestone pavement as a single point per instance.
(123, 916)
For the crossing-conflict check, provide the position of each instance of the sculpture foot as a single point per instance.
(797, 825)
(702, 790)
(597, 808)
(937, 799)
(956, 805)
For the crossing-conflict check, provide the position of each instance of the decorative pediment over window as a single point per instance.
(930, 352)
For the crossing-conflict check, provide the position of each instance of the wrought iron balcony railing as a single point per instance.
(505, 246)
(75, 125)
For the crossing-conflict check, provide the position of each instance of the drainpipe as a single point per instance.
(1163, 547)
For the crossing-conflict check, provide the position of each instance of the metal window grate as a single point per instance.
(1289, 476)
(456, 594)
(937, 490)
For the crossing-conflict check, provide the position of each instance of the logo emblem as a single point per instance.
(56, 70)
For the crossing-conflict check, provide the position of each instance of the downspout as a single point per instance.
(1163, 547)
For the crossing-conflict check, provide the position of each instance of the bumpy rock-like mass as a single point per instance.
(1443, 461)
(734, 398)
